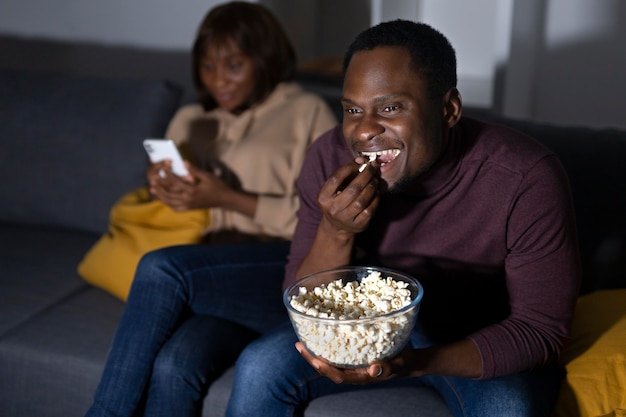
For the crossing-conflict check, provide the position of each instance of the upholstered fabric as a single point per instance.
(36, 271)
(67, 140)
(595, 359)
(137, 225)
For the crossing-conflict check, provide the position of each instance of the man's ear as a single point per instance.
(452, 107)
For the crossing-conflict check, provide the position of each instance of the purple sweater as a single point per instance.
(489, 232)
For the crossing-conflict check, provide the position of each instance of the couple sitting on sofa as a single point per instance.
(458, 203)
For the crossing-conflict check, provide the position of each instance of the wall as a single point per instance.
(559, 61)
(581, 66)
(159, 24)
(319, 28)
(479, 31)
(555, 61)
(567, 62)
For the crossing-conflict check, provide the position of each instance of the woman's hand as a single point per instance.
(200, 189)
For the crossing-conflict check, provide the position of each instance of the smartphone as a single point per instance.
(161, 149)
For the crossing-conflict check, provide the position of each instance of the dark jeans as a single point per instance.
(190, 312)
(273, 380)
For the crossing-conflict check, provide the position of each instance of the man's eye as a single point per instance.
(391, 108)
(351, 110)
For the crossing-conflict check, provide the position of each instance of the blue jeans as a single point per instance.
(273, 380)
(190, 312)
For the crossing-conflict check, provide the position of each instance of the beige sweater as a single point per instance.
(264, 148)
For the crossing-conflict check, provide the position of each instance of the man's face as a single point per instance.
(387, 111)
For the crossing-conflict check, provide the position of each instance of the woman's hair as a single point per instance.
(432, 56)
(258, 34)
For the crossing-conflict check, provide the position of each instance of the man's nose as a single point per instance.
(369, 126)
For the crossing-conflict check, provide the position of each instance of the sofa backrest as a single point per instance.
(595, 160)
(70, 146)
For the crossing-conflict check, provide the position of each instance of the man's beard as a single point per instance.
(401, 186)
(408, 184)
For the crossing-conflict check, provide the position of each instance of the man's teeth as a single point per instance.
(388, 154)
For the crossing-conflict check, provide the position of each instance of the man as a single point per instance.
(480, 214)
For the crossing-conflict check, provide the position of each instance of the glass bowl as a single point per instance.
(327, 327)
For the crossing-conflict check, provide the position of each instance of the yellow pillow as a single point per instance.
(137, 225)
(595, 359)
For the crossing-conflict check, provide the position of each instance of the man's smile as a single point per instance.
(382, 157)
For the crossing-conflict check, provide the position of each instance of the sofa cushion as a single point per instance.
(371, 402)
(595, 359)
(138, 224)
(53, 362)
(72, 145)
(381, 402)
(38, 270)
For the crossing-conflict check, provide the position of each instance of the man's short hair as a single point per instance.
(432, 55)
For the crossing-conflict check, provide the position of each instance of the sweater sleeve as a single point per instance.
(324, 157)
(542, 275)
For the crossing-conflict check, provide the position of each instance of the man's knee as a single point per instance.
(272, 354)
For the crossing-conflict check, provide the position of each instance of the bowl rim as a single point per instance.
(352, 268)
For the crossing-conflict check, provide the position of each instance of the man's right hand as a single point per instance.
(349, 198)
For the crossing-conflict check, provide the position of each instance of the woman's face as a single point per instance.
(228, 74)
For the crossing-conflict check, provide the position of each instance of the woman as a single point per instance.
(260, 126)
(192, 309)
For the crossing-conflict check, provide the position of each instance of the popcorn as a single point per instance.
(367, 336)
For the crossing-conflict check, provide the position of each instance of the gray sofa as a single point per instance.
(71, 145)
